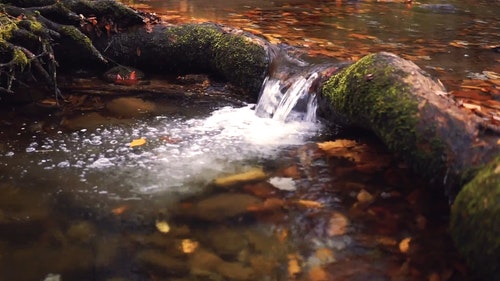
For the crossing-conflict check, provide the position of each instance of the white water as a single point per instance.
(179, 155)
(182, 153)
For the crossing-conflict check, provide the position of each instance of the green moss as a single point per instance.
(372, 94)
(20, 59)
(207, 47)
(7, 26)
(475, 222)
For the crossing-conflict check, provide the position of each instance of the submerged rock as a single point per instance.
(222, 206)
(153, 260)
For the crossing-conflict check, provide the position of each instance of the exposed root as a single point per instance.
(30, 28)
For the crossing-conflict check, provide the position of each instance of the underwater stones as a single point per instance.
(81, 232)
(159, 261)
(206, 263)
(475, 222)
(222, 206)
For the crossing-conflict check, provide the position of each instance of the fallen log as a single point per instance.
(412, 114)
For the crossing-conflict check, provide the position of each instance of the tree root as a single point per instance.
(30, 29)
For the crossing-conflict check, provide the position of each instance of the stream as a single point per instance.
(222, 189)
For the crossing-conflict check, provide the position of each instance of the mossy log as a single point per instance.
(412, 114)
(475, 221)
(240, 58)
(49, 34)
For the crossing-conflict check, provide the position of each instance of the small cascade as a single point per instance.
(289, 92)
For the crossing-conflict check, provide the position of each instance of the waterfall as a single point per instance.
(289, 93)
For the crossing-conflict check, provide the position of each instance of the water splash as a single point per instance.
(289, 93)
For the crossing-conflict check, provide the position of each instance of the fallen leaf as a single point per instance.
(162, 226)
(188, 246)
(120, 210)
(404, 245)
(310, 203)
(293, 265)
(365, 197)
(255, 174)
(138, 142)
(329, 145)
(337, 224)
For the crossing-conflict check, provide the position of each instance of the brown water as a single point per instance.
(451, 39)
(82, 204)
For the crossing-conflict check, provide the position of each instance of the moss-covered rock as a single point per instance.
(475, 222)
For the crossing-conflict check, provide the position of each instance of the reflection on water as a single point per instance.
(452, 39)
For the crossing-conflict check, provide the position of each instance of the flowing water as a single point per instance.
(84, 204)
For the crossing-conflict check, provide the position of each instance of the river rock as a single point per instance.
(81, 232)
(222, 206)
(235, 271)
(227, 242)
(158, 261)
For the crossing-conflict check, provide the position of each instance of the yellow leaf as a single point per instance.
(404, 245)
(365, 197)
(310, 204)
(329, 145)
(138, 142)
(255, 174)
(293, 265)
(189, 246)
(162, 226)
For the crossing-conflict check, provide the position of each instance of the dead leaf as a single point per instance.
(404, 245)
(310, 203)
(365, 197)
(162, 226)
(188, 246)
(337, 224)
(138, 142)
(255, 174)
(293, 265)
(120, 210)
(329, 145)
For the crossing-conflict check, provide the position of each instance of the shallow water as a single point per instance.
(451, 39)
(85, 205)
